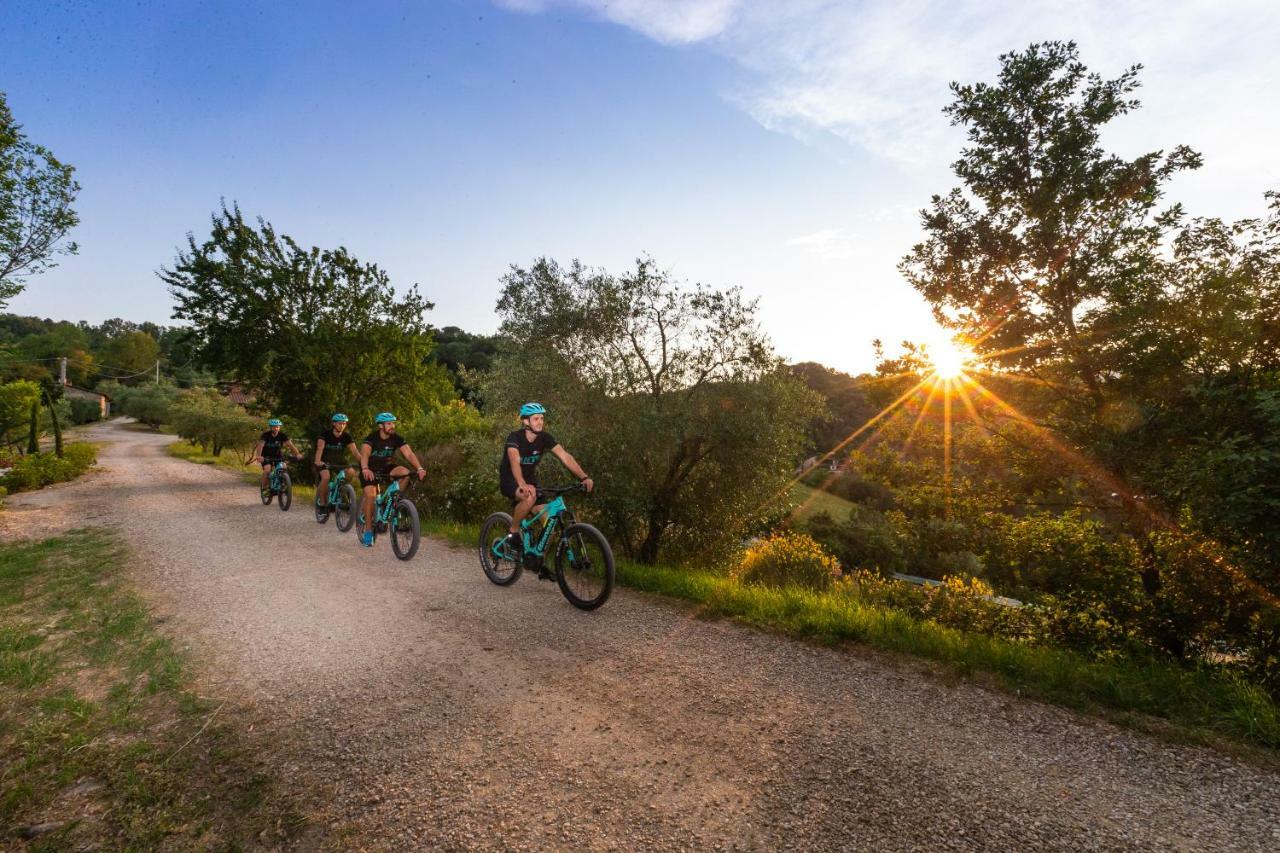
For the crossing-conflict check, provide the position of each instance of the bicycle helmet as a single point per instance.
(532, 409)
(384, 418)
(339, 418)
(274, 422)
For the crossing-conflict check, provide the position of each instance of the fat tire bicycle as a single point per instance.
(279, 484)
(584, 567)
(341, 500)
(395, 513)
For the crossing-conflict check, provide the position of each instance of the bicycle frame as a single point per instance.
(549, 514)
(335, 484)
(273, 479)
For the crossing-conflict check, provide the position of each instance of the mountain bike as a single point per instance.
(583, 559)
(393, 512)
(279, 484)
(341, 500)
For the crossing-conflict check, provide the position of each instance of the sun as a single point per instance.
(949, 358)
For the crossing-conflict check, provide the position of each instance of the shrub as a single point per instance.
(85, 411)
(205, 417)
(37, 470)
(787, 559)
(865, 540)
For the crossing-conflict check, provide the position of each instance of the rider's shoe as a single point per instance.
(367, 539)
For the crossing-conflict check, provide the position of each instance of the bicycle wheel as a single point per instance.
(584, 566)
(406, 531)
(500, 566)
(344, 515)
(266, 494)
(286, 492)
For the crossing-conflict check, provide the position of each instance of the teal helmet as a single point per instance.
(339, 418)
(532, 409)
(385, 418)
(274, 422)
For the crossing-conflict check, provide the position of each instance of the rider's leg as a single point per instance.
(370, 492)
(322, 487)
(401, 475)
(266, 472)
(521, 511)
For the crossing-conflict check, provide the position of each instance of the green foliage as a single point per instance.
(147, 403)
(37, 470)
(464, 355)
(36, 193)
(205, 417)
(312, 331)
(671, 397)
(132, 352)
(16, 401)
(459, 448)
(84, 411)
(787, 559)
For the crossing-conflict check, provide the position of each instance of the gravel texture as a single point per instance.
(417, 705)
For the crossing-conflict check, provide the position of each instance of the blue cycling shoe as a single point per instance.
(367, 539)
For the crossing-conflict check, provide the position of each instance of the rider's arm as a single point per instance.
(257, 449)
(319, 450)
(513, 456)
(412, 457)
(569, 462)
(294, 448)
(365, 450)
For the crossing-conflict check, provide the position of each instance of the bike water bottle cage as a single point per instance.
(385, 418)
(532, 409)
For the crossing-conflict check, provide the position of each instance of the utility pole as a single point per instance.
(157, 371)
(62, 370)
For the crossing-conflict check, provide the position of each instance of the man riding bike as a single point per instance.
(518, 470)
(330, 445)
(269, 449)
(376, 452)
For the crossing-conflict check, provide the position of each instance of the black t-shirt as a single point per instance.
(382, 449)
(530, 454)
(335, 446)
(273, 445)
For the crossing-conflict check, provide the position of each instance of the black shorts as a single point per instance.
(378, 476)
(268, 464)
(508, 489)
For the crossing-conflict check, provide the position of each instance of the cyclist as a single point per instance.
(518, 470)
(269, 449)
(330, 445)
(376, 452)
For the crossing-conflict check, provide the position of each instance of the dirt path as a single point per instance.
(418, 705)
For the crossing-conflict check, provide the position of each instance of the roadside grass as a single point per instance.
(1176, 703)
(104, 742)
(232, 460)
(810, 501)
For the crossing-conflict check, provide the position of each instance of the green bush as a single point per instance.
(459, 448)
(205, 417)
(787, 559)
(37, 470)
(85, 411)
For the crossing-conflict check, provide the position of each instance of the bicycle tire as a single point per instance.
(405, 513)
(344, 514)
(266, 494)
(502, 572)
(286, 492)
(588, 583)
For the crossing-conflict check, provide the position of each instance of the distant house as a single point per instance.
(102, 400)
(237, 393)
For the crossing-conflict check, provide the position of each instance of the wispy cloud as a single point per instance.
(874, 73)
(828, 243)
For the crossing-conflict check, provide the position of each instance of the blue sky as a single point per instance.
(782, 147)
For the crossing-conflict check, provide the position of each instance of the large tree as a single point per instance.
(1143, 346)
(36, 194)
(312, 330)
(671, 396)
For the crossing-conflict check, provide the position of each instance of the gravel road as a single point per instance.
(417, 705)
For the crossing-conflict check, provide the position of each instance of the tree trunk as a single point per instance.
(649, 547)
(57, 428)
(33, 439)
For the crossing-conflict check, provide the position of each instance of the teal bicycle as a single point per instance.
(341, 500)
(584, 566)
(393, 512)
(279, 485)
